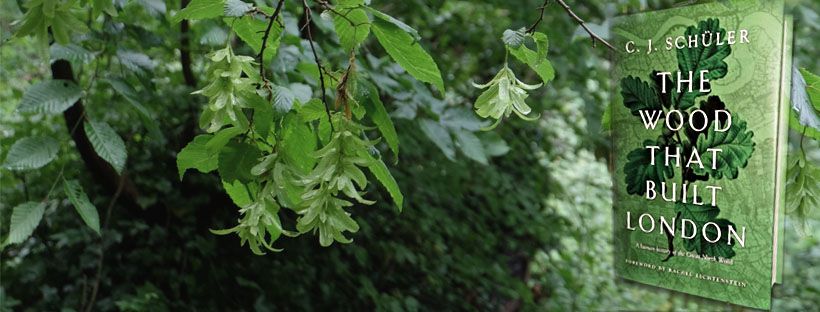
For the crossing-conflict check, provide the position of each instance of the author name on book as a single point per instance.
(705, 39)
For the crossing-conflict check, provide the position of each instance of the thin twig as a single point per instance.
(318, 63)
(96, 287)
(540, 17)
(261, 55)
(327, 6)
(583, 24)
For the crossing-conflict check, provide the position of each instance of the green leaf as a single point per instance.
(200, 9)
(408, 53)
(471, 146)
(298, 143)
(262, 115)
(283, 99)
(541, 66)
(73, 53)
(50, 96)
(31, 153)
(82, 204)
(639, 95)
(542, 44)
(702, 214)
(106, 6)
(24, 219)
(312, 110)
(136, 62)
(377, 112)
(236, 160)
(197, 156)
(391, 20)
(606, 118)
(221, 138)
(802, 192)
(514, 38)
(638, 168)
(439, 136)
(812, 83)
(235, 8)
(251, 30)
(238, 192)
(352, 27)
(696, 59)
(737, 147)
(380, 171)
(805, 98)
(107, 143)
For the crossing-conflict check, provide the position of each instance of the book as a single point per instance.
(699, 136)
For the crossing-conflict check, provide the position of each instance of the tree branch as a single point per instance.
(185, 49)
(103, 172)
(189, 130)
(540, 17)
(309, 33)
(583, 24)
(271, 20)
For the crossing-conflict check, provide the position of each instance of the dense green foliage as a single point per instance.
(206, 117)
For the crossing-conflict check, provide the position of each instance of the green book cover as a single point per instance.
(698, 130)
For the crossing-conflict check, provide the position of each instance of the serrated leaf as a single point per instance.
(31, 153)
(71, 52)
(542, 44)
(236, 160)
(24, 219)
(200, 9)
(215, 36)
(470, 145)
(222, 137)
(50, 96)
(135, 61)
(389, 19)
(77, 196)
(513, 38)
(696, 59)
(639, 96)
(251, 30)
(380, 171)
(107, 6)
(301, 92)
(298, 143)
(312, 110)
(802, 192)
(736, 147)
(541, 66)
(701, 215)
(107, 143)
(197, 156)
(352, 27)
(440, 137)
(377, 112)
(283, 99)
(805, 98)
(238, 192)
(639, 168)
(262, 115)
(236, 8)
(408, 53)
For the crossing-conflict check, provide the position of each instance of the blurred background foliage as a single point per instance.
(530, 230)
